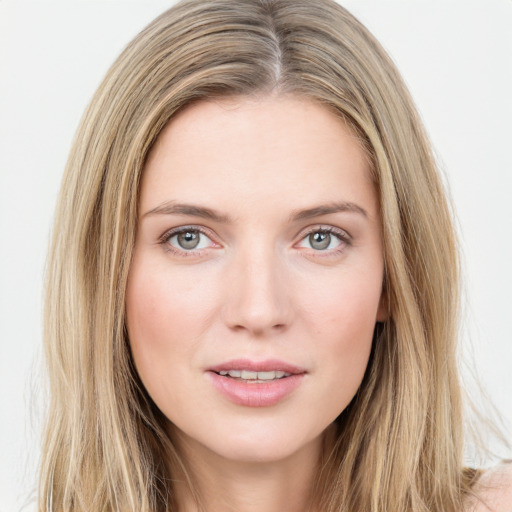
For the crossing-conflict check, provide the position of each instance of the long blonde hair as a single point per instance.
(399, 443)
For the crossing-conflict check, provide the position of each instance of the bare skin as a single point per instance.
(493, 491)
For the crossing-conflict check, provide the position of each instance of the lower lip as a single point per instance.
(256, 394)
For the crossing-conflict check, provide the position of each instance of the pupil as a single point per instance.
(320, 240)
(189, 239)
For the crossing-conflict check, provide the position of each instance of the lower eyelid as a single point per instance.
(343, 238)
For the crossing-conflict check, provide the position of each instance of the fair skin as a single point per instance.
(493, 491)
(275, 264)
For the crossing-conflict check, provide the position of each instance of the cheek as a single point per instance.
(343, 318)
(344, 306)
(144, 323)
(162, 305)
(146, 305)
(167, 314)
(156, 322)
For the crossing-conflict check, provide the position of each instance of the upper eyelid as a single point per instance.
(181, 229)
(342, 233)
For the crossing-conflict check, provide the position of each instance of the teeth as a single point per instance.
(250, 375)
(266, 375)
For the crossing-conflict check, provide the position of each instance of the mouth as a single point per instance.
(254, 377)
(256, 384)
(256, 371)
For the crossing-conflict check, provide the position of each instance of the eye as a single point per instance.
(187, 239)
(324, 239)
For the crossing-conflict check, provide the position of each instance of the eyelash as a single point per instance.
(164, 240)
(340, 234)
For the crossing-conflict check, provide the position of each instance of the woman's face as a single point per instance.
(256, 279)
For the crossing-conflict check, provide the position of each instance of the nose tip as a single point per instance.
(256, 300)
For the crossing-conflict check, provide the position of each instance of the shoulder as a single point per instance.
(493, 490)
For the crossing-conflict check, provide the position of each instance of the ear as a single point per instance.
(383, 309)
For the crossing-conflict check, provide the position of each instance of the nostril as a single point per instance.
(259, 330)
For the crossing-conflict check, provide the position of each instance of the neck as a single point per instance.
(225, 485)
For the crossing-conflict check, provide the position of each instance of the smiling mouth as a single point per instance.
(252, 377)
(252, 383)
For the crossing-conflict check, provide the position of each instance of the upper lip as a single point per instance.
(267, 365)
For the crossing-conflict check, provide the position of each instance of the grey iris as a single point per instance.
(188, 239)
(320, 240)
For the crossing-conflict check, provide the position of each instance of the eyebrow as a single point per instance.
(173, 208)
(327, 209)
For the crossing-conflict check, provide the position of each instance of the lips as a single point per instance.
(256, 383)
(268, 365)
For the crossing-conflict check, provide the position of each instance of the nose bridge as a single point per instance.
(257, 299)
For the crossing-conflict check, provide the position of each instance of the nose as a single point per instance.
(257, 298)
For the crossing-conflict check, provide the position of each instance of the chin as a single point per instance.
(258, 443)
(266, 452)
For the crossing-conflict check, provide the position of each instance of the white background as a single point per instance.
(456, 57)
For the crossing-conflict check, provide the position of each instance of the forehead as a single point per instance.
(278, 148)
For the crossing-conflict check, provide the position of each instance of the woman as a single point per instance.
(252, 288)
